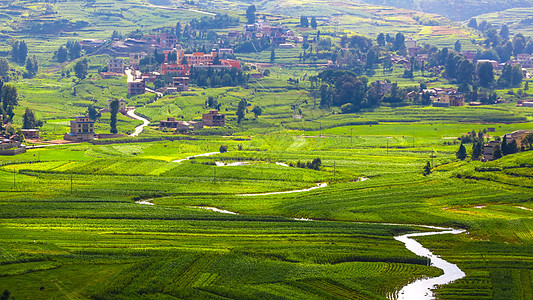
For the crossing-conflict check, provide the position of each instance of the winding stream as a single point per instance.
(422, 288)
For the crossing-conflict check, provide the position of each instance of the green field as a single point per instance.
(69, 211)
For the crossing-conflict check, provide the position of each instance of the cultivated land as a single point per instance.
(70, 226)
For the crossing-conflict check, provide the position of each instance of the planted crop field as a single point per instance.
(70, 211)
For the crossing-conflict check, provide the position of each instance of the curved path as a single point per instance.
(197, 155)
(319, 185)
(140, 128)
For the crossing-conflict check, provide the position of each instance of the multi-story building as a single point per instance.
(176, 69)
(198, 58)
(115, 65)
(213, 118)
(180, 125)
(223, 52)
(135, 59)
(136, 87)
(81, 129)
(181, 83)
(167, 40)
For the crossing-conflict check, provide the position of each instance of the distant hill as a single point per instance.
(458, 10)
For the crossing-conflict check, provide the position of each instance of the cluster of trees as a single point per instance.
(70, 51)
(502, 46)
(343, 88)
(315, 164)
(19, 52)
(93, 113)
(511, 76)
(477, 139)
(81, 68)
(29, 120)
(32, 67)
(212, 103)
(477, 145)
(209, 77)
(250, 14)
(218, 21)
(255, 45)
(304, 22)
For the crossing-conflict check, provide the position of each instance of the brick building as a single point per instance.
(213, 118)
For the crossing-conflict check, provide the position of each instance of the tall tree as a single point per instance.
(465, 72)
(272, 55)
(250, 14)
(9, 99)
(29, 120)
(81, 68)
(74, 50)
(304, 22)
(32, 66)
(472, 23)
(497, 152)
(172, 57)
(178, 31)
(457, 46)
(485, 74)
(114, 111)
(399, 41)
(62, 54)
(477, 148)
(371, 57)
(241, 107)
(15, 50)
(461, 154)
(519, 44)
(504, 32)
(93, 113)
(22, 52)
(516, 75)
(503, 145)
(427, 169)
(4, 69)
(381, 39)
(313, 23)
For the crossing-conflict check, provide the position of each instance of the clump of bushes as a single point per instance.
(314, 165)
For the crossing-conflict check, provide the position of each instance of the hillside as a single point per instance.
(455, 10)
